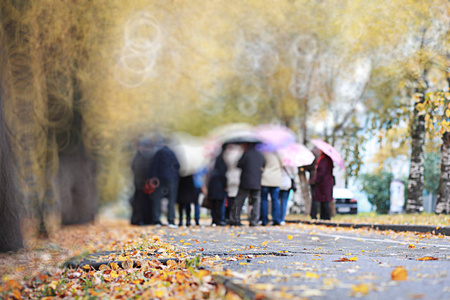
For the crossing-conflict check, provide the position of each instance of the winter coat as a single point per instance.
(165, 165)
(231, 157)
(324, 181)
(217, 182)
(252, 164)
(140, 167)
(271, 175)
(187, 191)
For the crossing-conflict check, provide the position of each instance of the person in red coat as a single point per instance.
(323, 187)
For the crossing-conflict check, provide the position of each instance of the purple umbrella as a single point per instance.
(330, 151)
(274, 137)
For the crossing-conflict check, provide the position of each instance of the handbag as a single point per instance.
(207, 203)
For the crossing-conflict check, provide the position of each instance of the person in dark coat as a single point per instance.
(164, 172)
(140, 202)
(323, 187)
(187, 194)
(217, 185)
(252, 165)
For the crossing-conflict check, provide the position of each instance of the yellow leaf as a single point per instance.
(399, 274)
(361, 289)
(354, 258)
(114, 266)
(290, 237)
(264, 243)
(243, 263)
(411, 246)
(114, 274)
(159, 294)
(311, 275)
(203, 273)
(186, 244)
(86, 267)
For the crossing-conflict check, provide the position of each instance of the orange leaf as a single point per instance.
(412, 246)
(428, 258)
(399, 274)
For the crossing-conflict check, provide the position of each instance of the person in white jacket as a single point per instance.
(270, 184)
(231, 156)
(287, 175)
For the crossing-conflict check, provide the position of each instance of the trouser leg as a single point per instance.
(197, 213)
(284, 196)
(264, 210)
(228, 209)
(314, 205)
(325, 213)
(235, 214)
(255, 201)
(276, 212)
(180, 213)
(172, 188)
(188, 214)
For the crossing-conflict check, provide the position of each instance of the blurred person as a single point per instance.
(140, 202)
(187, 194)
(251, 164)
(199, 183)
(311, 169)
(231, 157)
(164, 172)
(287, 177)
(217, 184)
(270, 184)
(323, 187)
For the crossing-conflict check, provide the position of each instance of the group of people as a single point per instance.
(238, 172)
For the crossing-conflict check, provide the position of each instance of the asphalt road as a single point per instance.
(318, 262)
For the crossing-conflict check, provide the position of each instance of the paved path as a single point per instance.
(305, 260)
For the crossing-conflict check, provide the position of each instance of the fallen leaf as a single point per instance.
(290, 237)
(428, 258)
(343, 259)
(412, 246)
(360, 289)
(264, 243)
(399, 274)
(311, 275)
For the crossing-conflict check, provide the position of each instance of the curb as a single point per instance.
(395, 227)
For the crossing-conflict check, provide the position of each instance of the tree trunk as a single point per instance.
(443, 197)
(10, 235)
(415, 181)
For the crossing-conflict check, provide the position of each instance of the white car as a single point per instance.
(345, 201)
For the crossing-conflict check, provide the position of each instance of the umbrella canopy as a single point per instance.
(189, 152)
(229, 133)
(330, 151)
(274, 137)
(296, 155)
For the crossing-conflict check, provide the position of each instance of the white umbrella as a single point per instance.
(189, 152)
